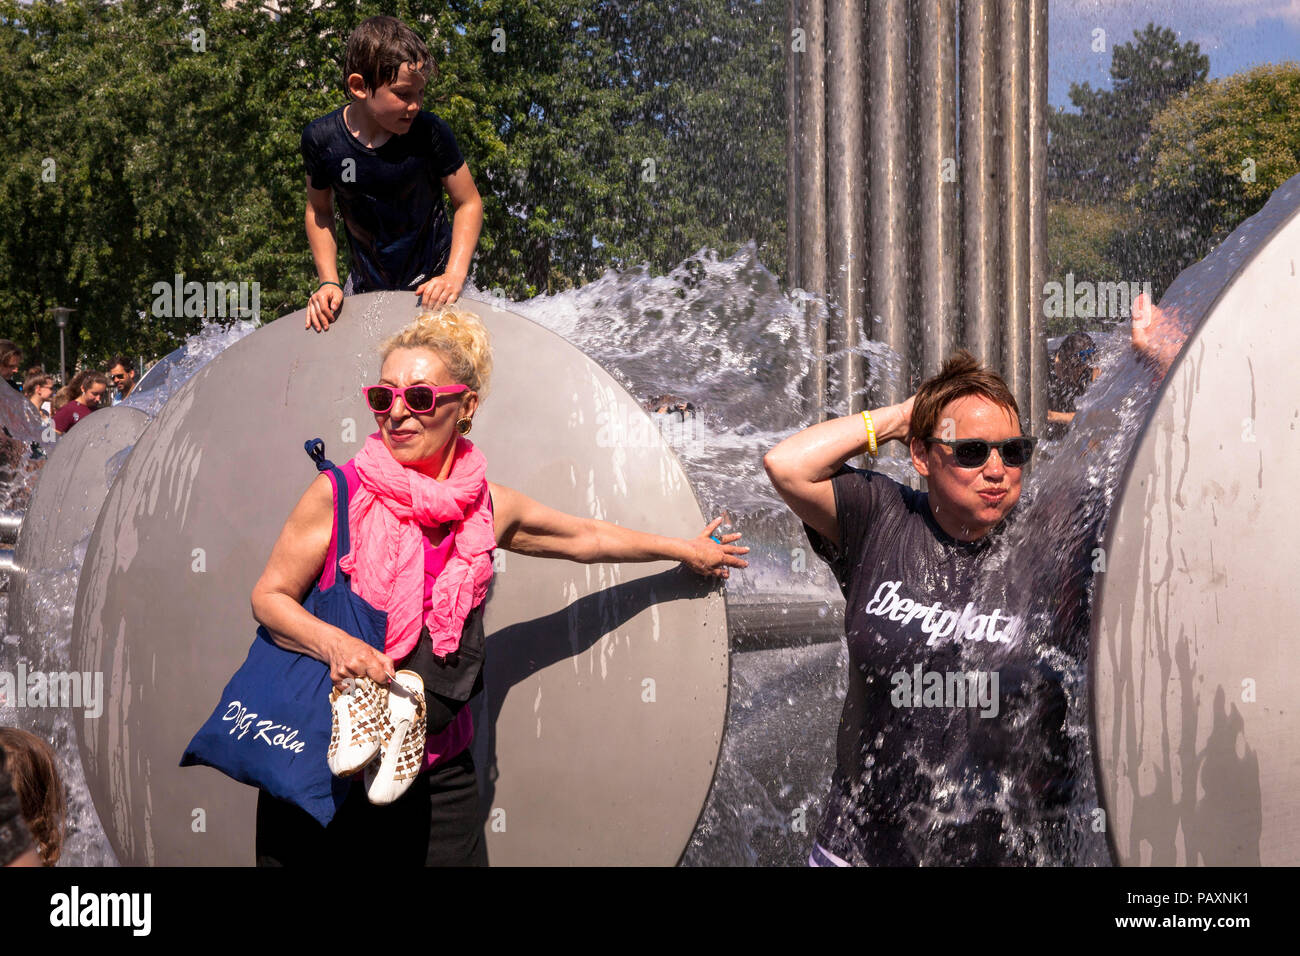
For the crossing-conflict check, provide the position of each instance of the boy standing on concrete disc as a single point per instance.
(387, 163)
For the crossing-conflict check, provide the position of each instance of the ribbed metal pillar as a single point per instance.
(979, 185)
(794, 130)
(887, 307)
(1013, 222)
(812, 178)
(935, 82)
(847, 188)
(945, 264)
(1037, 210)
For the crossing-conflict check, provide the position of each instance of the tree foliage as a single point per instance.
(1219, 153)
(1095, 154)
(600, 134)
(1099, 226)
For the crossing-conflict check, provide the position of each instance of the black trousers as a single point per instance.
(435, 823)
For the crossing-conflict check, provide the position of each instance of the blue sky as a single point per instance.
(1235, 34)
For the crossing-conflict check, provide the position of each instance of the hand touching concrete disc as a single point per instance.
(605, 684)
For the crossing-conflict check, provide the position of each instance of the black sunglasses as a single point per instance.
(973, 452)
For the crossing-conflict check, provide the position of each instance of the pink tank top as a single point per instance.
(452, 741)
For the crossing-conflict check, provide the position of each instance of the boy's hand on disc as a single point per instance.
(323, 307)
(440, 290)
(714, 554)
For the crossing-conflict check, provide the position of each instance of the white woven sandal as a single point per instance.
(360, 709)
(401, 752)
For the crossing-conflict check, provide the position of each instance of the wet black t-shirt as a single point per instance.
(390, 197)
(952, 733)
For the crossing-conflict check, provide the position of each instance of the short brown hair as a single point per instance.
(377, 49)
(35, 774)
(961, 375)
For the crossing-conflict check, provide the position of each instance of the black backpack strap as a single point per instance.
(316, 449)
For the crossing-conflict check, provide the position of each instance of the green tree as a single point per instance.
(1215, 157)
(1094, 154)
(176, 151)
(622, 133)
(1096, 230)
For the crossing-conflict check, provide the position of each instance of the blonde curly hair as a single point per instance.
(460, 339)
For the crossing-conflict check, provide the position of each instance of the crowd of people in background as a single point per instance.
(88, 390)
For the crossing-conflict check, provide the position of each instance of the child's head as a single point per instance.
(30, 763)
(381, 52)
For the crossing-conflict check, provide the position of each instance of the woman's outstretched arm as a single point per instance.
(530, 527)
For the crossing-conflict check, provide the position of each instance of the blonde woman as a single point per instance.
(423, 521)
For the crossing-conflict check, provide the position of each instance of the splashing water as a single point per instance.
(86, 843)
(720, 334)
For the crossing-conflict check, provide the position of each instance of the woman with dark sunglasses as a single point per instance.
(908, 563)
(417, 478)
(931, 769)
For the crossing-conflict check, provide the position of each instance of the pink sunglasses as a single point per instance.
(417, 398)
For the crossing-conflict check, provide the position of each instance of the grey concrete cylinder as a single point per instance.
(599, 729)
(1194, 666)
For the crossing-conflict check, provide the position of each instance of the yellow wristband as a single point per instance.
(871, 431)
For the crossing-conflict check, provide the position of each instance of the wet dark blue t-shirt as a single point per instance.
(952, 734)
(390, 197)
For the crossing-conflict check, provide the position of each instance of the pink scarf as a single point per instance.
(387, 557)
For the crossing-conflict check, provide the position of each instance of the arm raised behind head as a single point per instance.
(801, 467)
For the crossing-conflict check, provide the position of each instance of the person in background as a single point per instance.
(34, 773)
(122, 375)
(1074, 367)
(11, 357)
(94, 393)
(68, 392)
(16, 846)
(39, 389)
(387, 163)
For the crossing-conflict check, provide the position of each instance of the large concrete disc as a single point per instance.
(1197, 736)
(606, 685)
(57, 523)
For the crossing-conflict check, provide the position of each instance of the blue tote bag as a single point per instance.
(271, 728)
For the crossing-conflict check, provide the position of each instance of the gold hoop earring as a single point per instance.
(463, 425)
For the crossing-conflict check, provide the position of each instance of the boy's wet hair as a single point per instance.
(377, 49)
(961, 375)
